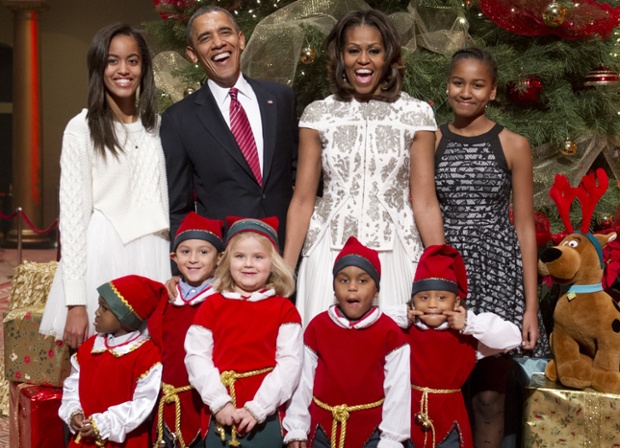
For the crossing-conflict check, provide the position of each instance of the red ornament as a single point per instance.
(602, 76)
(172, 9)
(527, 17)
(526, 91)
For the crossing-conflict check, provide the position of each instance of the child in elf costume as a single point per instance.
(446, 341)
(116, 374)
(197, 245)
(244, 348)
(354, 391)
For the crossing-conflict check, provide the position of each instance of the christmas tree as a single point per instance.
(558, 67)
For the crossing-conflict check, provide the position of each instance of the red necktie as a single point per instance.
(240, 127)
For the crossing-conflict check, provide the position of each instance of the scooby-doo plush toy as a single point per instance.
(585, 341)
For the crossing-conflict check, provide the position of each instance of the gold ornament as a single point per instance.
(601, 76)
(606, 220)
(569, 148)
(426, 426)
(307, 55)
(554, 14)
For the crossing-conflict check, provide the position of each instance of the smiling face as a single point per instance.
(364, 58)
(196, 260)
(250, 263)
(433, 304)
(106, 321)
(355, 291)
(123, 71)
(217, 46)
(470, 88)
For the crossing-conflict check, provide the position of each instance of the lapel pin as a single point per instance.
(269, 101)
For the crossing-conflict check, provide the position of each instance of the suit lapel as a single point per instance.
(210, 117)
(268, 112)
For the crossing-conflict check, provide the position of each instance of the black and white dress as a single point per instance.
(474, 188)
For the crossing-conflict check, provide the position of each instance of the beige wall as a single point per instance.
(66, 28)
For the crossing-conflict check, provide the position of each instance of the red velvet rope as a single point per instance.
(29, 223)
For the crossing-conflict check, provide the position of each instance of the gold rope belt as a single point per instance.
(228, 379)
(170, 395)
(341, 415)
(422, 419)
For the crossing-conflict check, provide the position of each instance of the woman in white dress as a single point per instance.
(113, 190)
(374, 146)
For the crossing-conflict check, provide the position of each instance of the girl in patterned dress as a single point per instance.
(479, 166)
(373, 145)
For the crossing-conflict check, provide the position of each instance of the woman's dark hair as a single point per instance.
(477, 54)
(393, 71)
(100, 116)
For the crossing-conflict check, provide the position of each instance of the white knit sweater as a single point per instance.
(130, 190)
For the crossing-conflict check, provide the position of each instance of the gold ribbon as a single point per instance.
(341, 415)
(228, 379)
(548, 160)
(424, 405)
(170, 395)
(272, 53)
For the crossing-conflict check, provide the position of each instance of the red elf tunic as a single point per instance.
(168, 327)
(350, 370)
(244, 335)
(441, 360)
(108, 377)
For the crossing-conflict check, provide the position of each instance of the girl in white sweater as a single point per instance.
(113, 190)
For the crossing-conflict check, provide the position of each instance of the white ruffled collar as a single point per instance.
(196, 299)
(342, 321)
(256, 296)
(118, 346)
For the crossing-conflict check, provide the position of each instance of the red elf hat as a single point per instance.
(267, 227)
(356, 254)
(196, 227)
(441, 268)
(132, 299)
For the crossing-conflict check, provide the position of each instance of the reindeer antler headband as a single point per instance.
(588, 193)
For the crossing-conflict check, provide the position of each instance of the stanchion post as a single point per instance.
(19, 235)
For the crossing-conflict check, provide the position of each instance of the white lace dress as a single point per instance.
(366, 166)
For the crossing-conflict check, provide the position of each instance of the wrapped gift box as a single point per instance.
(559, 417)
(34, 421)
(29, 356)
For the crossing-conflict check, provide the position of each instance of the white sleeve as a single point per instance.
(202, 373)
(163, 179)
(76, 207)
(398, 313)
(494, 334)
(395, 424)
(297, 416)
(278, 386)
(117, 421)
(70, 401)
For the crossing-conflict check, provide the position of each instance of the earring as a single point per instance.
(447, 91)
(384, 86)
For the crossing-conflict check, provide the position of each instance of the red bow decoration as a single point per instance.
(583, 19)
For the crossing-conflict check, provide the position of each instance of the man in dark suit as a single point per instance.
(204, 162)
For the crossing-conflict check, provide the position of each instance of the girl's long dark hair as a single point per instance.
(100, 116)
